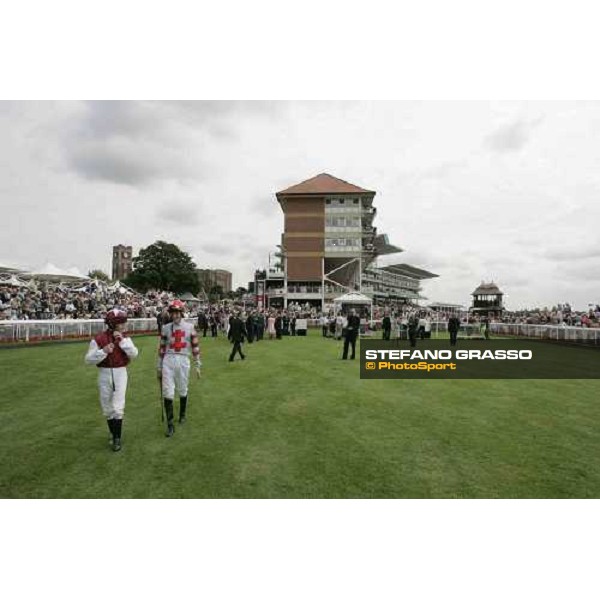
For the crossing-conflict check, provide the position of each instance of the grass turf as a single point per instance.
(292, 421)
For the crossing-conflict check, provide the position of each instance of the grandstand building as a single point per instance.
(394, 284)
(122, 263)
(330, 246)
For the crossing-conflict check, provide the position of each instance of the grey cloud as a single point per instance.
(575, 253)
(179, 214)
(135, 143)
(443, 169)
(265, 206)
(215, 248)
(511, 137)
(123, 161)
(581, 273)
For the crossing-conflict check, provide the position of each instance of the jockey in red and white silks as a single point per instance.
(111, 352)
(178, 342)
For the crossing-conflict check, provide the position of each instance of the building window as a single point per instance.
(342, 201)
(328, 201)
(355, 200)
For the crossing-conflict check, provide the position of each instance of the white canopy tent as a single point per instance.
(188, 297)
(50, 272)
(117, 286)
(353, 299)
(14, 281)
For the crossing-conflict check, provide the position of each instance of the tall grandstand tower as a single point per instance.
(122, 263)
(329, 241)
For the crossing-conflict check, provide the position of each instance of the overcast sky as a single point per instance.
(472, 191)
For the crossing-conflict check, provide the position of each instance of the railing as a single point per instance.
(59, 329)
(580, 335)
(67, 329)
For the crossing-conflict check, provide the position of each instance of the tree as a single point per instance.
(98, 274)
(163, 266)
(215, 293)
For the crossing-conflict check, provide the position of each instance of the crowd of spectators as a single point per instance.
(45, 301)
(50, 301)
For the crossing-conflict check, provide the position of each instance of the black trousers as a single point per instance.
(349, 341)
(453, 335)
(237, 347)
(386, 334)
(412, 336)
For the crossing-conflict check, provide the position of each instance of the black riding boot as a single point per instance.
(182, 408)
(117, 424)
(169, 413)
(111, 428)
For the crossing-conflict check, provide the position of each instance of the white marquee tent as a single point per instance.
(50, 272)
(353, 299)
(14, 281)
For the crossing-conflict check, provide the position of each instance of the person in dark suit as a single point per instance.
(352, 331)
(386, 324)
(213, 325)
(453, 327)
(413, 328)
(237, 334)
(285, 324)
(293, 325)
(250, 327)
(260, 326)
(202, 323)
(278, 326)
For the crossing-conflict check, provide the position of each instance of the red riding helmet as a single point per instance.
(176, 305)
(115, 317)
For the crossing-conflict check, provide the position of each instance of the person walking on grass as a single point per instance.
(413, 328)
(178, 340)
(453, 327)
(202, 322)
(352, 331)
(237, 333)
(386, 325)
(111, 352)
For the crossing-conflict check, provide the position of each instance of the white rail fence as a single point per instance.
(55, 330)
(59, 329)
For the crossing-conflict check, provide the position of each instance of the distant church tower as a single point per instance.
(122, 263)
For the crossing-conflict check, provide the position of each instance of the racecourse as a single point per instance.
(292, 421)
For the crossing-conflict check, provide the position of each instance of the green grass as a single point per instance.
(293, 421)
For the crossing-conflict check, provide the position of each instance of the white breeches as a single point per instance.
(113, 385)
(175, 374)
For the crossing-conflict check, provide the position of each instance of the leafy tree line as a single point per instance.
(163, 266)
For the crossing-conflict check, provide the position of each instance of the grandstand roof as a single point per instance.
(409, 271)
(324, 184)
(486, 288)
(383, 246)
(445, 304)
